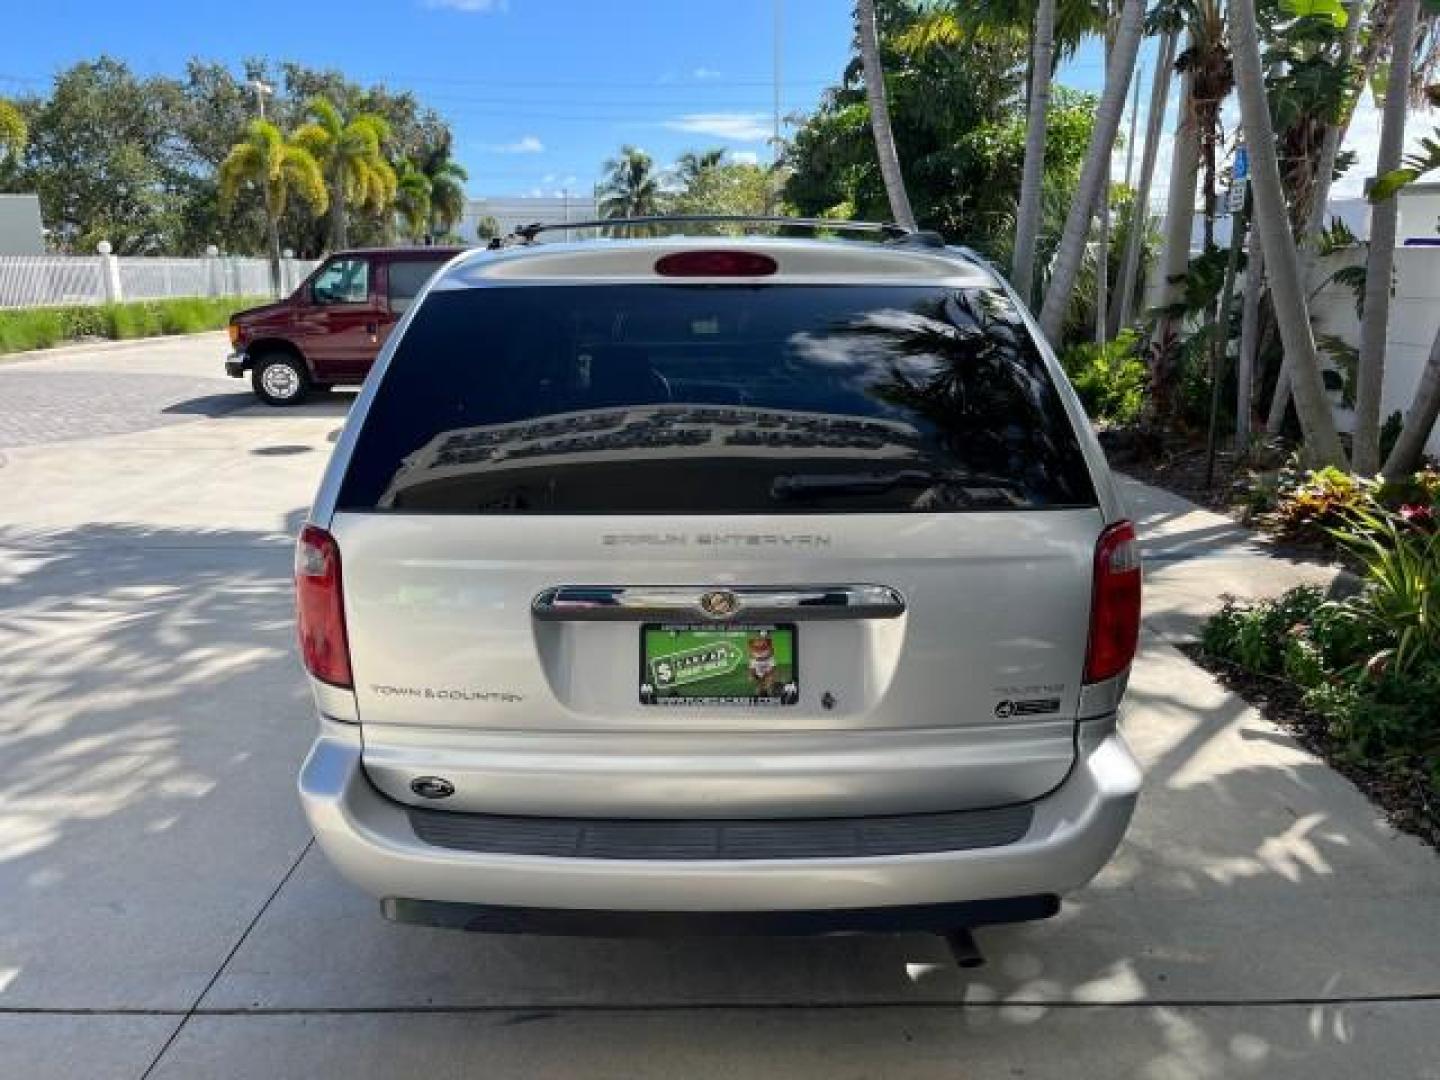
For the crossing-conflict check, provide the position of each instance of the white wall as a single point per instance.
(512, 213)
(20, 230)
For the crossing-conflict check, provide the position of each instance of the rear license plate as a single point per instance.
(702, 665)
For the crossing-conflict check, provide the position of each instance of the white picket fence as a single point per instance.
(51, 280)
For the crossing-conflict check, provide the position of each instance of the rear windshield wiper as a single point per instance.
(874, 483)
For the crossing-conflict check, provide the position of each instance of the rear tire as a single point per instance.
(280, 379)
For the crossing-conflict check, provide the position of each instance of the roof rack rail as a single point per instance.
(525, 234)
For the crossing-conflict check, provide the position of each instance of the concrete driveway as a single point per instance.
(162, 910)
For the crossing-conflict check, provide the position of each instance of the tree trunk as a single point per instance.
(1320, 192)
(880, 115)
(1123, 303)
(1419, 419)
(1272, 225)
(1102, 258)
(1380, 259)
(1027, 218)
(338, 223)
(1164, 289)
(1097, 158)
(1249, 341)
(272, 237)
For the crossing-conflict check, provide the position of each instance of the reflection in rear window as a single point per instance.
(716, 399)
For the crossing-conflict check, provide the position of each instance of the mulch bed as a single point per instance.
(1181, 469)
(1404, 793)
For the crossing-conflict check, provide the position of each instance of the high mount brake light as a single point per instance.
(320, 611)
(711, 264)
(1115, 604)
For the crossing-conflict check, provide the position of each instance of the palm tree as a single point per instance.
(630, 188)
(1319, 196)
(1380, 259)
(1272, 227)
(1032, 176)
(1092, 172)
(690, 166)
(412, 200)
(279, 167)
(14, 133)
(1123, 303)
(351, 156)
(880, 115)
(447, 187)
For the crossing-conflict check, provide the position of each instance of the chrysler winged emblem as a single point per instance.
(720, 604)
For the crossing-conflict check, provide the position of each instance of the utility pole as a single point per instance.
(779, 27)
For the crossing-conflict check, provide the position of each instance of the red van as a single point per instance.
(330, 329)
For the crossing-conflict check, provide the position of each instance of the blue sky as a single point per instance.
(539, 92)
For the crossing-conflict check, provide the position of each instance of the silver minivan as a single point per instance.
(718, 583)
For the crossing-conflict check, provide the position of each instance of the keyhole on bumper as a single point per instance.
(827, 700)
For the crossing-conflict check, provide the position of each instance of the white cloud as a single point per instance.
(526, 144)
(745, 157)
(737, 127)
(473, 7)
(704, 74)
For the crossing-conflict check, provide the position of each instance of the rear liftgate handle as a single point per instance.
(605, 603)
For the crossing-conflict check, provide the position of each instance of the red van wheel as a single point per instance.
(280, 379)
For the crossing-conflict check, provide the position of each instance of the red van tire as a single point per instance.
(280, 379)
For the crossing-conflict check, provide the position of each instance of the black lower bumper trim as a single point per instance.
(927, 918)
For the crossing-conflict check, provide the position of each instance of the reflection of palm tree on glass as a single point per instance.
(961, 363)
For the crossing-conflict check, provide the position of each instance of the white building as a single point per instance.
(20, 230)
(514, 211)
(1414, 304)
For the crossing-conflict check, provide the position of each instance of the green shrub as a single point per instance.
(1109, 378)
(1369, 665)
(1255, 635)
(1400, 603)
(40, 328)
(1310, 506)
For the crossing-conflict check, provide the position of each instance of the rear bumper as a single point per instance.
(1072, 834)
(236, 364)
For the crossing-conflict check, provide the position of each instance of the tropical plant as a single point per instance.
(737, 188)
(412, 200)
(351, 155)
(14, 132)
(446, 178)
(278, 167)
(630, 187)
(1272, 228)
(692, 165)
(1401, 601)
(1119, 71)
(487, 228)
(1206, 59)
(1110, 378)
(880, 127)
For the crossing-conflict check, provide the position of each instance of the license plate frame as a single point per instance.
(738, 671)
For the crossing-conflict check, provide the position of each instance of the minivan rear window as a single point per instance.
(728, 399)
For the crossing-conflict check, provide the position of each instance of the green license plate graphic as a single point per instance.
(701, 665)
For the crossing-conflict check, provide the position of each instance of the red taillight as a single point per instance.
(1115, 604)
(319, 608)
(715, 264)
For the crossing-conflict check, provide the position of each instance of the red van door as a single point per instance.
(339, 322)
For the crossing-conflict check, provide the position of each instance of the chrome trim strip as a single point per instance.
(752, 603)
